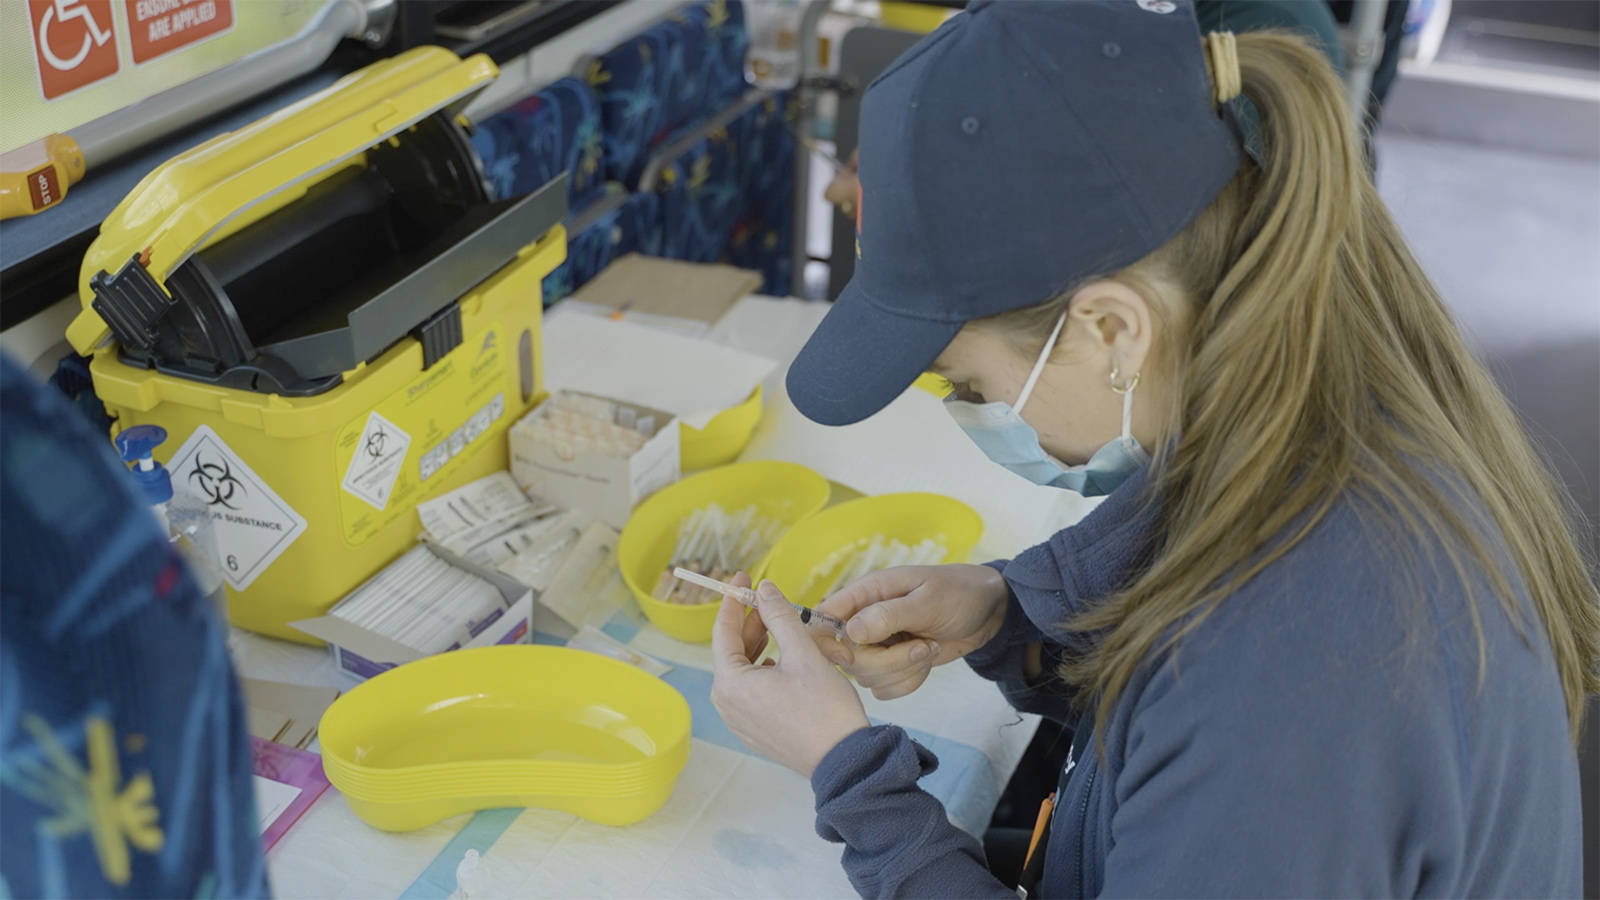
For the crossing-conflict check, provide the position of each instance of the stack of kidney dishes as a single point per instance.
(506, 726)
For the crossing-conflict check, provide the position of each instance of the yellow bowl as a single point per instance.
(506, 726)
(805, 559)
(723, 437)
(780, 490)
(913, 16)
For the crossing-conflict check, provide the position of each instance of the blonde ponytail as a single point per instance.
(1313, 359)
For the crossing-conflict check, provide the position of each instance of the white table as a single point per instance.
(736, 825)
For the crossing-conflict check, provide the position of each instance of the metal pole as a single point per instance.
(809, 66)
(1364, 48)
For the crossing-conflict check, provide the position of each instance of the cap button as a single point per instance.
(970, 125)
(1111, 50)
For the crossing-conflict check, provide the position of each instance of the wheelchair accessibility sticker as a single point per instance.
(74, 43)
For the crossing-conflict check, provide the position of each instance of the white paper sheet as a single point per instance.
(690, 327)
(272, 800)
(690, 378)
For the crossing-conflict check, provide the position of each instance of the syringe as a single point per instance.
(808, 616)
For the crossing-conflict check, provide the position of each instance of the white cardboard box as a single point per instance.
(362, 654)
(605, 487)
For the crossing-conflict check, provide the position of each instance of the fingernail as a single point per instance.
(933, 648)
(768, 590)
(919, 653)
(856, 631)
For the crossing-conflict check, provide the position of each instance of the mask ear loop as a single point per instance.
(1038, 364)
(1127, 399)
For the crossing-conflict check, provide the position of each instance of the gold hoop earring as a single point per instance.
(1125, 389)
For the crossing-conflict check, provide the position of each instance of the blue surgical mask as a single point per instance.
(1002, 435)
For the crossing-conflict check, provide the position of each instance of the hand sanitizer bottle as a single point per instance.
(186, 520)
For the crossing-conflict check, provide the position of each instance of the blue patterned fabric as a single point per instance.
(124, 769)
(685, 98)
(634, 227)
(580, 139)
(761, 238)
(606, 126)
(628, 83)
(727, 41)
(700, 199)
(498, 142)
(663, 81)
(553, 131)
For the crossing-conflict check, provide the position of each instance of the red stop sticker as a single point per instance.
(43, 187)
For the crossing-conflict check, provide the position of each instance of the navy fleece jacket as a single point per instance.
(1324, 732)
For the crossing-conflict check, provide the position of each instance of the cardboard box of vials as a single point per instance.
(362, 654)
(565, 451)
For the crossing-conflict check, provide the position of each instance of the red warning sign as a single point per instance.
(162, 26)
(73, 43)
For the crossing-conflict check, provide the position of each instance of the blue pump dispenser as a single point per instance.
(135, 445)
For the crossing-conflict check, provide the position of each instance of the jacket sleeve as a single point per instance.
(1001, 661)
(898, 840)
(1054, 582)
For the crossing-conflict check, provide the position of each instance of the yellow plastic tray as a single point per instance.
(506, 726)
(780, 490)
(723, 437)
(804, 559)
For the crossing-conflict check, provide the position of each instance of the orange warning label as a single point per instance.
(43, 188)
(162, 26)
(74, 43)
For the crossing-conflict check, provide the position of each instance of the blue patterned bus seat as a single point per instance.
(538, 138)
(700, 199)
(761, 239)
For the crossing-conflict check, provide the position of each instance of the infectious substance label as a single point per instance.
(254, 525)
(380, 453)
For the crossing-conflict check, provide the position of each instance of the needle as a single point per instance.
(808, 616)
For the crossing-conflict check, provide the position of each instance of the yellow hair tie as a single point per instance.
(1222, 60)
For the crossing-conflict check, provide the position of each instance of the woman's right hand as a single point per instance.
(942, 613)
(844, 187)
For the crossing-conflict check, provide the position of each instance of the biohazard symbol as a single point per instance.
(375, 442)
(217, 481)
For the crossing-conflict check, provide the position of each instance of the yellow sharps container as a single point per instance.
(332, 320)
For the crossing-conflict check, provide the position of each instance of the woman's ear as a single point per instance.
(1113, 321)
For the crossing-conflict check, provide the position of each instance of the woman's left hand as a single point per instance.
(792, 711)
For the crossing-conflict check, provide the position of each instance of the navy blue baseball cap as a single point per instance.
(1022, 147)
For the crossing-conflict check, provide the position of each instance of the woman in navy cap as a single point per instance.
(1329, 633)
